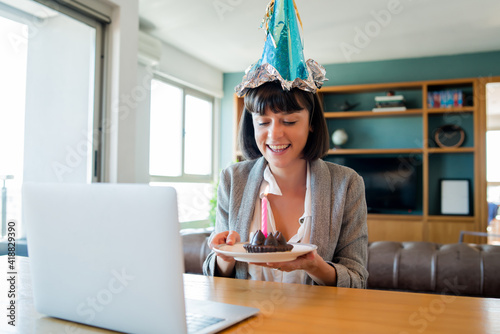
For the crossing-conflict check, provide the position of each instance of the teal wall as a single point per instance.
(432, 68)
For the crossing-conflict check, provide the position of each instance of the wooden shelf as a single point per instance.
(450, 219)
(449, 110)
(372, 87)
(341, 151)
(451, 150)
(395, 217)
(362, 114)
(449, 82)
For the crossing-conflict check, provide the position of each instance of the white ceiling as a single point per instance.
(226, 34)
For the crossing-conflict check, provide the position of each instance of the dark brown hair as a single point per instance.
(271, 95)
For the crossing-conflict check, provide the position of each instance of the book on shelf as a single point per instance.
(397, 108)
(389, 103)
(445, 99)
(389, 98)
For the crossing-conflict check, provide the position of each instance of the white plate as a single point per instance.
(240, 254)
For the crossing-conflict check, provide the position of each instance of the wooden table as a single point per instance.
(293, 308)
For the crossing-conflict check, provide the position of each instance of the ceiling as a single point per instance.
(226, 35)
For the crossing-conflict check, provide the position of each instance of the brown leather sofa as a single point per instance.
(459, 269)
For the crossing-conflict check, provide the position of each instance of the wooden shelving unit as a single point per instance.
(359, 114)
(465, 161)
(343, 151)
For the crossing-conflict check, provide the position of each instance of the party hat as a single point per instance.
(283, 56)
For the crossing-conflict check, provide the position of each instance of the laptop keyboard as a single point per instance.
(197, 322)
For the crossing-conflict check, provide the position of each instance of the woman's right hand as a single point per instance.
(228, 238)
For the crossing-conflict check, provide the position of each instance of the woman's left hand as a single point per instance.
(304, 262)
(320, 271)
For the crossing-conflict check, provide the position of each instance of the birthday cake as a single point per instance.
(272, 243)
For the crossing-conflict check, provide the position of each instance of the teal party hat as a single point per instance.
(283, 56)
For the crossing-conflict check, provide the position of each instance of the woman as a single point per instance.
(283, 135)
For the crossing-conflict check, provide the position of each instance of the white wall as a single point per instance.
(190, 70)
(141, 165)
(122, 89)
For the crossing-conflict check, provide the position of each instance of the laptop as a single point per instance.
(110, 255)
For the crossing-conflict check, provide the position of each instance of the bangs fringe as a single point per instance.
(271, 95)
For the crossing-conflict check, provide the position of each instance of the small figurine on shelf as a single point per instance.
(348, 106)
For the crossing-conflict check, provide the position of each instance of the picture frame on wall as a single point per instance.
(455, 197)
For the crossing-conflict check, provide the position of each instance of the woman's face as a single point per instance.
(281, 137)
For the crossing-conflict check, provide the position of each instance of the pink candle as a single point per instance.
(264, 215)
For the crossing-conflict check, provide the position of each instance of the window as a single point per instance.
(50, 60)
(181, 147)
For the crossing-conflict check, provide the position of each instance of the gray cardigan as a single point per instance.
(338, 224)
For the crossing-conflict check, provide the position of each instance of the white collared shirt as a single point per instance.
(303, 234)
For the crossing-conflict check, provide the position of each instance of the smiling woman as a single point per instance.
(284, 188)
(283, 136)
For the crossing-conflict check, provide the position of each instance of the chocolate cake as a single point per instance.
(273, 243)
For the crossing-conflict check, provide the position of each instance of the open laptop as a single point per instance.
(110, 255)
